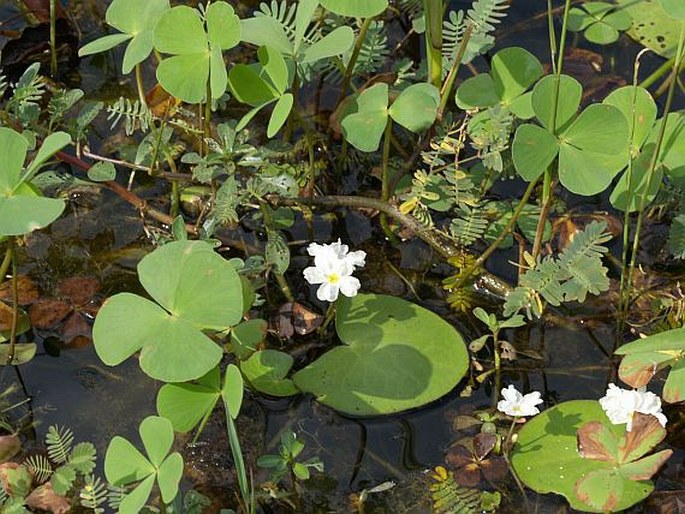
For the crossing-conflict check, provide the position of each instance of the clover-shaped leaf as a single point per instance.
(261, 85)
(612, 474)
(196, 46)
(266, 371)
(643, 358)
(265, 30)
(415, 109)
(194, 289)
(125, 465)
(356, 8)
(395, 356)
(135, 22)
(513, 71)
(601, 21)
(590, 147)
(186, 404)
(22, 208)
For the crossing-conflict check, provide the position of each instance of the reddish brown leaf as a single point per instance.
(495, 468)
(47, 313)
(636, 372)
(458, 456)
(304, 320)
(75, 327)
(483, 444)
(5, 316)
(78, 289)
(28, 292)
(645, 434)
(45, 498)
(9, 447)
(597, 442)
(468, 476)
(645, 468)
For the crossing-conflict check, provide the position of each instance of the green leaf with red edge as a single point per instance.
(597, 442)
(603, 489)
(646, 432)
(644, 357)
(646, 468)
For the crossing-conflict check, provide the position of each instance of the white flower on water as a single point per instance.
(620, 405)
(517, 405)
(333, 268)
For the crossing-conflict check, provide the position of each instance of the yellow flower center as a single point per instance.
(333, 278)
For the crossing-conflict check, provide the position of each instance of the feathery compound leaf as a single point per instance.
(467, 229)
(485, 14)
(136, 115)
(62, 479)
(39, 466)
(93, 494)
(82, 458)
(450, 498)
(59, 441)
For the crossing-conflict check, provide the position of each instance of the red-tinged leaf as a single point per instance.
(483, 445)
(494, 468)
(47, 313)
(45, 498)
(305, 321)
(601, 489)
(76, 331)
(646, 433)
(28, 292)
(458, 456)
(468, 476)
(9, 447)
(674, 388)
(79, 290)
(637, 369)
(645, 468)
(597, 442)
(5, 316)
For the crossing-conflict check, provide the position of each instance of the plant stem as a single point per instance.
(464, 275)
(139, 84)
(385, 190)
(53, 38)
(552, 37)
(6, 261)
(330, 315)
(505, 453)
(353, 59)
(562, 40)
(238, 461)
(15, 306)
(268, 222)
(544, 212)
(452, 75)
(680, 55)
(433, 12)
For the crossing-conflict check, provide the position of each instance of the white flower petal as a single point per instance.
(620, 405)
(516, 405)
(349, 286)
(314, 275)
(327, 292)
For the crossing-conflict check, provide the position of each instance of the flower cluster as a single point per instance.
(620, 405)
(517, 405)
(333, 268)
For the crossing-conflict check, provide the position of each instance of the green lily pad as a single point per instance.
(546, 459)
(196, 50)
(356, 8)
(136, 23)
(643, 358)
(395, 356)
(266, 371)
(364, 126)
(652, 26)
(195, 289)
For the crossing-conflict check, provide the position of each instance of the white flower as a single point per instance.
(333, 268)
(620, 405)
(517, 405)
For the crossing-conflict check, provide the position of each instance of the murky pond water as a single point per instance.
(566, 357)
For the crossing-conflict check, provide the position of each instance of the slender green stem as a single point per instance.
(239, 462)
(15, 308)
(53, 38)
(452, 75)
(385, 189)
(544, 212)
(203, 423)
(433, 12)
(6, 261)
(353, 58)
(552, 36)
(175, 199)
(139, 84)
(330, 315)
(280, 278)
(208, 115)
(562, 38)
(506, 448)
(680, 55)
(464, 276)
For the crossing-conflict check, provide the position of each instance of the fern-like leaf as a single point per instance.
(545, 279)
(59, 441)
(28, 92)
(485, 14)
(82, 458)
(93, 494)
(39, 466)
(61, 102)
(115, 494)
(136, 115)
(467, 229)
(62, 479)
(450, 498)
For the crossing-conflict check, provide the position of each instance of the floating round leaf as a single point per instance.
(416, 107)
(364, 126)
(395, 356)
